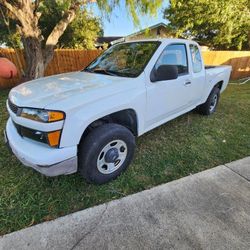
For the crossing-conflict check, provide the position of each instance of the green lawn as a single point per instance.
(183, 146)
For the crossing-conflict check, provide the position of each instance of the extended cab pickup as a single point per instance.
(87, 121)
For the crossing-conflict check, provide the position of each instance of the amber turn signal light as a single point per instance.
(55, 116)
(54, 138)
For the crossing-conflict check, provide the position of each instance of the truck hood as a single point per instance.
(42, 92)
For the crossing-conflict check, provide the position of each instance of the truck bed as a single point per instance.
(215, 66)
(220, 72)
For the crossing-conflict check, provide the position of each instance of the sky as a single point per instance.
(121, 24)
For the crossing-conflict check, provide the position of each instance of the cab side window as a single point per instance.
(196, 58)
(174, 54)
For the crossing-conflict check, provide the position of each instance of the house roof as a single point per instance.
(116, 39)
(107, 39)
(122, 39)
(148, 28)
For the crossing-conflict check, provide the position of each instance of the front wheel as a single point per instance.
(209, 107)
(105, 153)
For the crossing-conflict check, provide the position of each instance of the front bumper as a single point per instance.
(46, 160)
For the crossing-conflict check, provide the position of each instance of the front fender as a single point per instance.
(78, 119)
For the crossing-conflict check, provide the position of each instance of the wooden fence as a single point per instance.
(239, 60)
(66, 60)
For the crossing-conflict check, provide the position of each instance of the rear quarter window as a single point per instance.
(196, 58)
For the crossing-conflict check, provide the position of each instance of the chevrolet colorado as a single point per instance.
(87, 121)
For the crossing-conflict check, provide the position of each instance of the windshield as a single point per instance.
(126, 59)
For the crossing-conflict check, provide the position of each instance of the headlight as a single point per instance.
(41, 115)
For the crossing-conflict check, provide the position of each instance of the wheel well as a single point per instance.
(126, 118)
(219, 84)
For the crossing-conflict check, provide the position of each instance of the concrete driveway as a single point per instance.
(208, 210)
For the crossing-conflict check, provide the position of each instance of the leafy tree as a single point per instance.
(222, 24)
(41, 25)
(81, 33)
(8, 34)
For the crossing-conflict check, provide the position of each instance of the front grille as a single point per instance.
(14, 108)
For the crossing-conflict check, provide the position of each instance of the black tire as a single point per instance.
(209, 107)
(92, 148)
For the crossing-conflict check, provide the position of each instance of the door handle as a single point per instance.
(187, 82)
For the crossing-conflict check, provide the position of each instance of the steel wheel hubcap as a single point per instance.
(213, 103)
(112, 156)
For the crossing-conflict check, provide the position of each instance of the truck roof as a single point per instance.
(163, 40)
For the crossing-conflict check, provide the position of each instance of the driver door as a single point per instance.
(169, 97)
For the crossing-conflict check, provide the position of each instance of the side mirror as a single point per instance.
(164, 72)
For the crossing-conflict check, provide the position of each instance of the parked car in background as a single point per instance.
(87, 121)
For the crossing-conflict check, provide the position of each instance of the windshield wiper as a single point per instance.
(102, 71)
(106, 72)
(88, 70)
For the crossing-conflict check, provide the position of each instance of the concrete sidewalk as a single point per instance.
(208, 210)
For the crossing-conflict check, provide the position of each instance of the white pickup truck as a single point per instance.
(87, 121)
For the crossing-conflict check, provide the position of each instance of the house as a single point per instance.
(159, 30)
(102, 41)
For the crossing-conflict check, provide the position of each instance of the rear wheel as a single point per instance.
(105, 153)
(209, 107)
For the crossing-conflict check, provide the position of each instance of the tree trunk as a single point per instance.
(25, 12)
(34, 58)
(249, 39)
